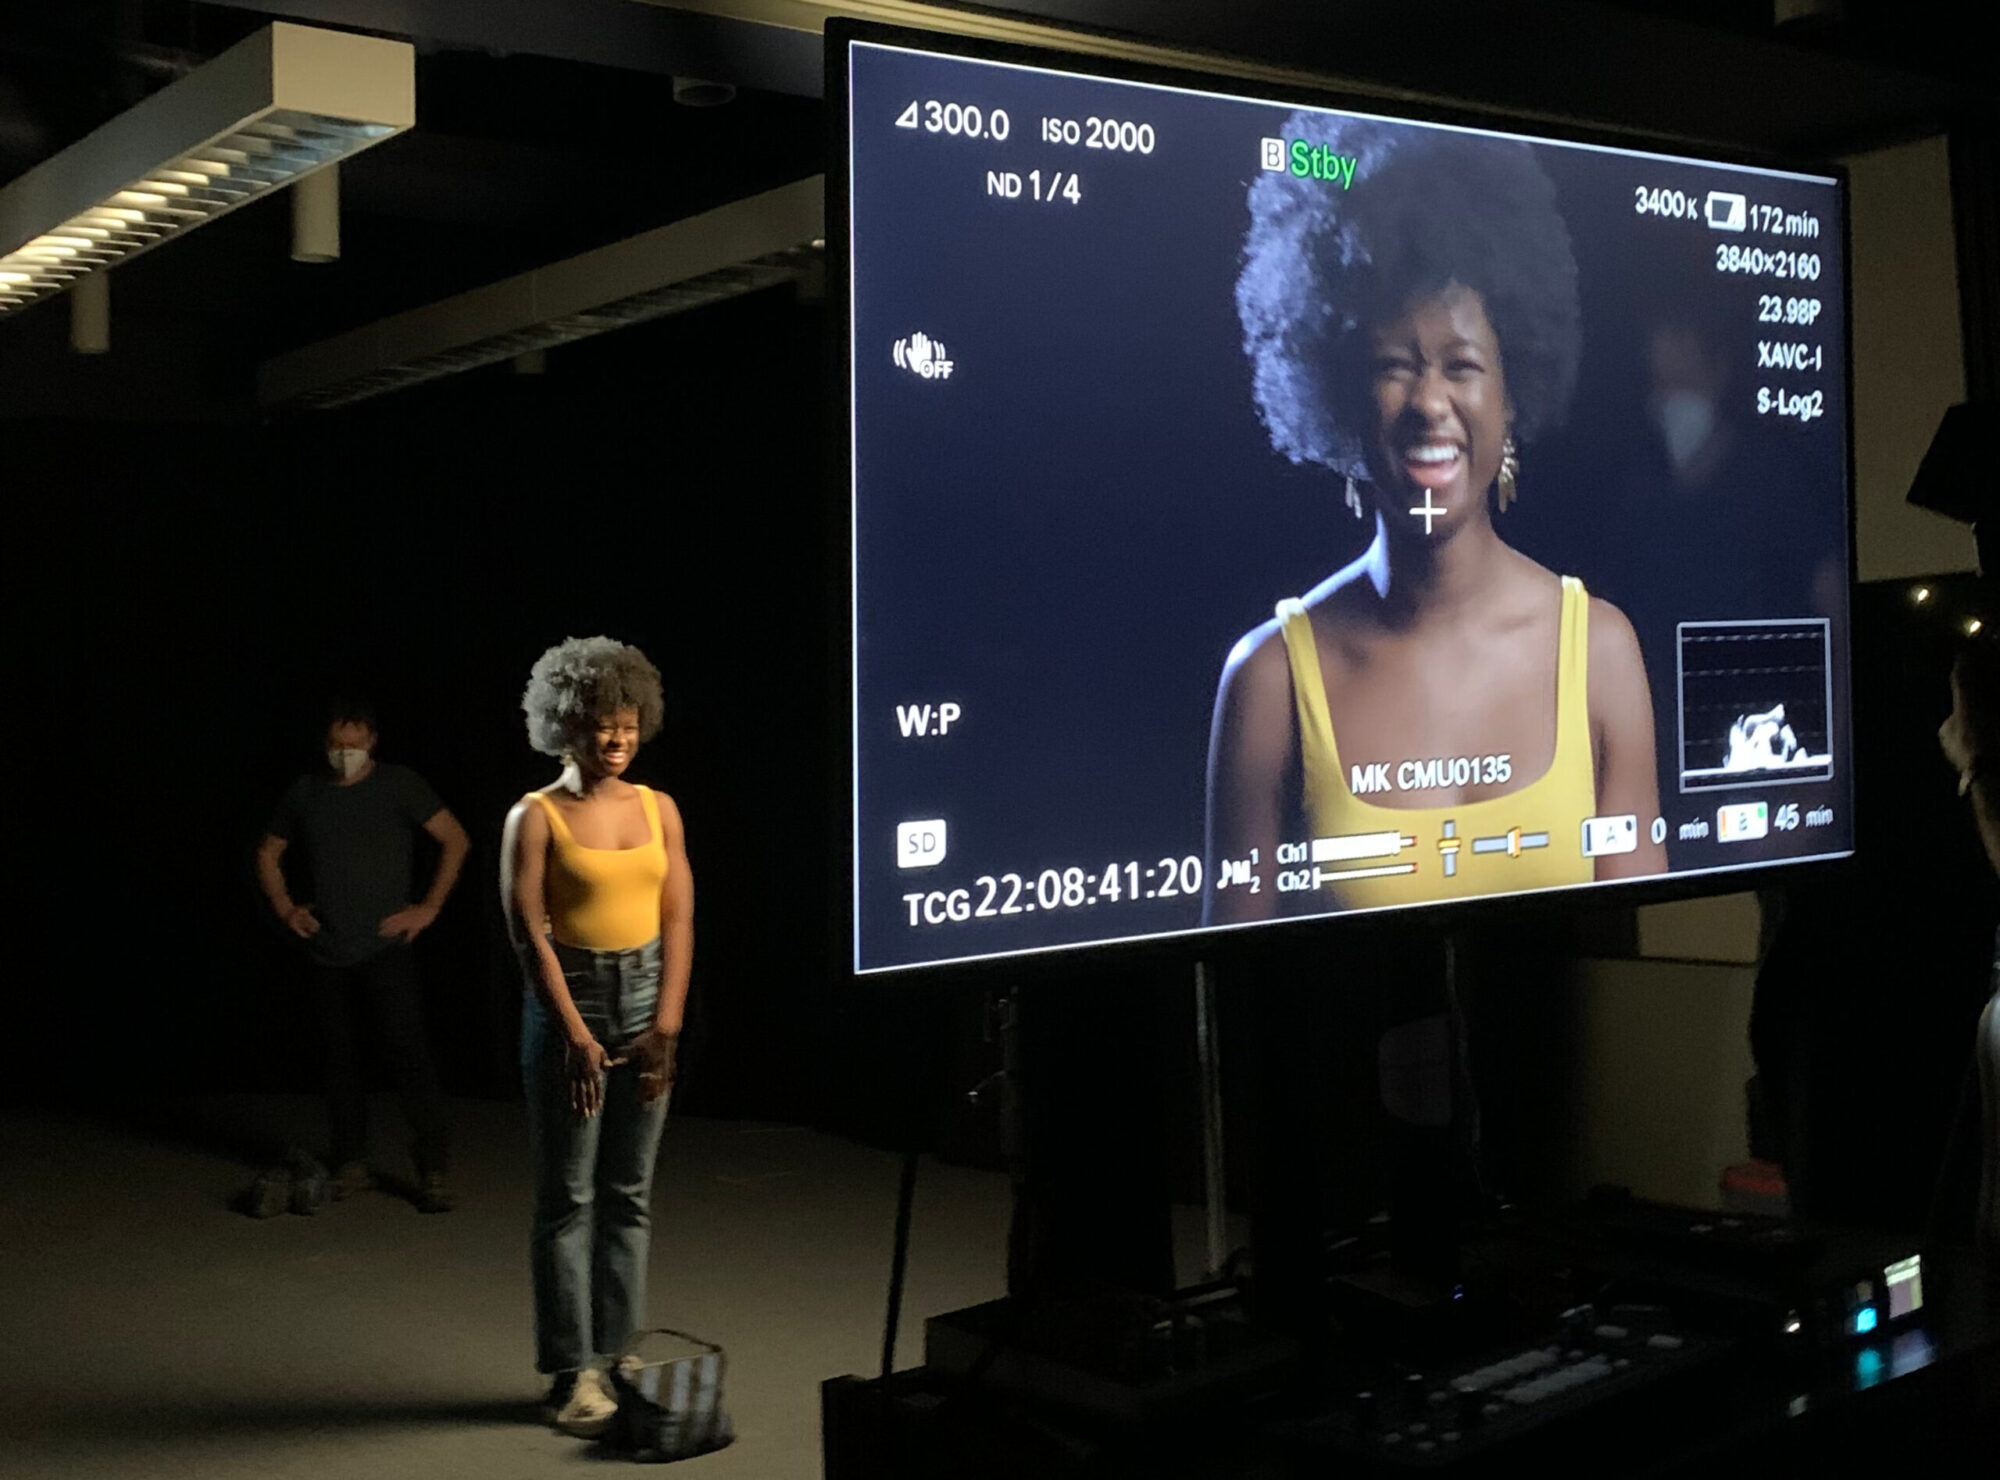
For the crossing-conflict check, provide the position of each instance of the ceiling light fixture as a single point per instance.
(271, 110)
(743, 247)
(316, 216)
(90, 315)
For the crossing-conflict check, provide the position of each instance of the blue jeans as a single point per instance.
(593, 1178)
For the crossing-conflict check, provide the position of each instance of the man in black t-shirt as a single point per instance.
(354, 829)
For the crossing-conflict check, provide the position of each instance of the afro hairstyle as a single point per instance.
(582, 678)
(1427, 208)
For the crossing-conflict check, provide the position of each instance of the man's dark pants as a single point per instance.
(379, 994)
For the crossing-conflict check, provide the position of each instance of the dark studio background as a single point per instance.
(662, 487)
(188, 579)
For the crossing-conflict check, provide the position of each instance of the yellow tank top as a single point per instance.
(1367, 856)
(604, 899)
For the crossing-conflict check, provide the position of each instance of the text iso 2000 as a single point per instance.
(1764, 263)
(1121, 136)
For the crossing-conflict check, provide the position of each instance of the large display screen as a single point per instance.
(1263, 511)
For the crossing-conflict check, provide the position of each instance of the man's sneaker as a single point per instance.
(588, 1411)
(309, 1183)
(434, 1194)
(269, 1194)
(353, 1177)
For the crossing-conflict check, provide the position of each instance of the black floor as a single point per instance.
(148, 1330)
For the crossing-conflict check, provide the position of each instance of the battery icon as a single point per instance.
(1744, 822)
(1727, 212)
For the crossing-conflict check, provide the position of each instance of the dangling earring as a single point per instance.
(1354, 499)
(1510, 469)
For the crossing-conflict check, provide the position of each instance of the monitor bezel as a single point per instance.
(1214, 942)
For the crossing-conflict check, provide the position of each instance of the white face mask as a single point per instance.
(346, 760)
(1686, 420)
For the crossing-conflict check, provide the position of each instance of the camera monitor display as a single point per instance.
(1264, 510)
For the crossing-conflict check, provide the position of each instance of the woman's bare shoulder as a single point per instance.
(1355, 589)
(532, 808)
(1257, 661)
(1253, 704)
(1343, 608)
(526, 825)
(1528, 577)
(1617, 668)
(1610, 629)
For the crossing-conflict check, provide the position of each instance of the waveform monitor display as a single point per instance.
(1264, 511)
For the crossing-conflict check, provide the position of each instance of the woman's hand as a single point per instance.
(653, 1051)
(587, 1063)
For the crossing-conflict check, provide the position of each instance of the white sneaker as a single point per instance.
(590, 1408)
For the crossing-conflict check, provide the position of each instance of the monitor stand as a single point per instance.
(1094, 1320)
(1364, 1157)
(1085, 1061)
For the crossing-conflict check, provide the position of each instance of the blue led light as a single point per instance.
(1868, 1368)
(1864, 1320)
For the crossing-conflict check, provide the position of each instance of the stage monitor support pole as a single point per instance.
(1208, 1053)
(1094, 1203)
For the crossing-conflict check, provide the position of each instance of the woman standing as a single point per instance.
(600, 905)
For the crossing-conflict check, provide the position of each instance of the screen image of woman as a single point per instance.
(1443, 713)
